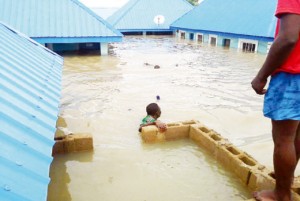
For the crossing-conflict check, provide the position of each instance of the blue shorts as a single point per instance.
(282, 100)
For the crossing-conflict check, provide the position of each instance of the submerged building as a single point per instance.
(148, 16)
(30, 86)
(60, 25)
(247, 25)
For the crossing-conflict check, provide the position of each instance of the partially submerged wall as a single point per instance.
(67, 142)
(254, 175)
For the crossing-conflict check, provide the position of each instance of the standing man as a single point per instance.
(282, 99)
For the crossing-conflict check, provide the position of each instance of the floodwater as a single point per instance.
(106, 96)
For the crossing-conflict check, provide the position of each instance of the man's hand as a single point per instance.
(258, 85)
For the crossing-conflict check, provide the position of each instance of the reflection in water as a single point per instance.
(60, 179)
(107, 96)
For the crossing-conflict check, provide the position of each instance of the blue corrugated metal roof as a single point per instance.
(242, 17)
(138, 15)
(30, 85)
(52, 20)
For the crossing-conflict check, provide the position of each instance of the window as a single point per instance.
(182, 35)
(226, 42)
(249, 47)
(213, 41)
(191, 36)
(200, 38)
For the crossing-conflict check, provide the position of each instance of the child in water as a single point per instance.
(153, 113)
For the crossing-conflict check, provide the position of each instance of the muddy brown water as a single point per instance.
(106, 96)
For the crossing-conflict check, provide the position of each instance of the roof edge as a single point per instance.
(97, 17)
(78, 39)
(31, 40)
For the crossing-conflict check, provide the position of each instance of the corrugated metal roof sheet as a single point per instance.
(55, 19)
(243, 17)
(139, 14)
(30, 85)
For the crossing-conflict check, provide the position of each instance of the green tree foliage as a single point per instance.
(193, 2)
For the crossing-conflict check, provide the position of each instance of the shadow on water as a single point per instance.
(58, 189)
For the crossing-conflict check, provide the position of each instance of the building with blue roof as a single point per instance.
(243, 24)
(148, 16)
(30, 87)
(60, 25)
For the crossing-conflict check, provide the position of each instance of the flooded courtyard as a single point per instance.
(106, 97)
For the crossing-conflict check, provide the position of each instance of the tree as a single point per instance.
(193, 2)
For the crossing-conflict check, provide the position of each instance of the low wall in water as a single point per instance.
(67, 142)
(254, 175)
(73, 143)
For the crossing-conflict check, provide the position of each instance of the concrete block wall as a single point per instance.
(254, 175)
(67, 142)
(151, 134)
(73, 143)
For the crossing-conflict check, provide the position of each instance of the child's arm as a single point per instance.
(161, 126)
(147, 124)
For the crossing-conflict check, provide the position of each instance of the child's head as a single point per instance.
(154, 110)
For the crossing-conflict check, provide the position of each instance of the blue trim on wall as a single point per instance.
(231, 35)
(145, 30)
(78, 39)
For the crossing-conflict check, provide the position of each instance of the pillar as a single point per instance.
(104, 49)
(50, 46)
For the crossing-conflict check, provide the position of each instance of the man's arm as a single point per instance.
(280, 50)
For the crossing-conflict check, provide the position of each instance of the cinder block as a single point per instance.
(177, 131)
(233, 150)
(195, 135)
(69, 144)
(235, 161)
(261, 180)
(238, 162)
(59, 134)
(83, 142)
(190, 122)
(149, 134)
(58, 147)
(228, 152)
(244, 169)
(296, 196)
(160, 137)
(202, 136)
(227, 158)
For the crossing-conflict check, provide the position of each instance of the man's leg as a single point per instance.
(297, 143)
(284, 158)
(285, 161)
